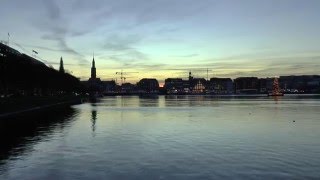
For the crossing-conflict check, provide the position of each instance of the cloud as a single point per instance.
(67, 64)
(53, 9)
(60, 23)
(63, 46)
(122, 48)
(261, 67)
(128, 14)
(121, 43)
(44, 48)
(129, 56)
(136, 34)
(54, 27)
(187, 56)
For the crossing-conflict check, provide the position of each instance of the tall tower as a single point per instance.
(190, 76)
(93, 70)
(61, 69)
(191, 84)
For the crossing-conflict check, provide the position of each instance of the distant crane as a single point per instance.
(207, 70)
(208, 74)
(122, 73)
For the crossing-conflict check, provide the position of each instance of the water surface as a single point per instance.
(167, 137)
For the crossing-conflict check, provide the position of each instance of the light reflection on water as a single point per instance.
(168, 137)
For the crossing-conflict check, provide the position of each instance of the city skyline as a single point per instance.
(162, 39)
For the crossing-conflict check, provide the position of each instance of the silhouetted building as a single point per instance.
(180, 86)
(109, 86)
(93, 70)
(220, 86)
(148, 85)
(265, 85)
(174, 85)
(300, 84)
(190, 76)
(198, 85)
(37, 79)
(8, 51)
(128, 88)
(61, 68)
(95, 84)
(246, 85)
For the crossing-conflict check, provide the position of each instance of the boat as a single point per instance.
(275, 89)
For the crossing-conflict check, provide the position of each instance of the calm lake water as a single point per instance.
(167, 137)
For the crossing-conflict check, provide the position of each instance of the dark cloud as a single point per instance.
(54, 27)
(63, 46)
(53, 9)
(138, 13)
(45, 48)
(66, 64)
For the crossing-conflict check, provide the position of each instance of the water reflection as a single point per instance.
(187, 101)
(187, 137)
(19, 135)
(149, 101)
(93, 121)
(276, 99)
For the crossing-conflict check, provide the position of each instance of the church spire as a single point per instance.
(93, 63)
(61, 69)
(93, 69)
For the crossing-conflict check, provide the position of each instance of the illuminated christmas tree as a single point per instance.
(276, 88)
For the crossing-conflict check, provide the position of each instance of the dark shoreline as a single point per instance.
(28, 107)
(202, 94)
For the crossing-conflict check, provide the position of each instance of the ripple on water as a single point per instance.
(171, 138)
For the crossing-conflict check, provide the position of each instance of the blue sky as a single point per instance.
(167, 38)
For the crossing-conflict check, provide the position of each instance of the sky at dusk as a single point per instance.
(167, 38)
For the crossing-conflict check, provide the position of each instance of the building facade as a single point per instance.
(246, 85)
(220, 86)
(146, 85)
